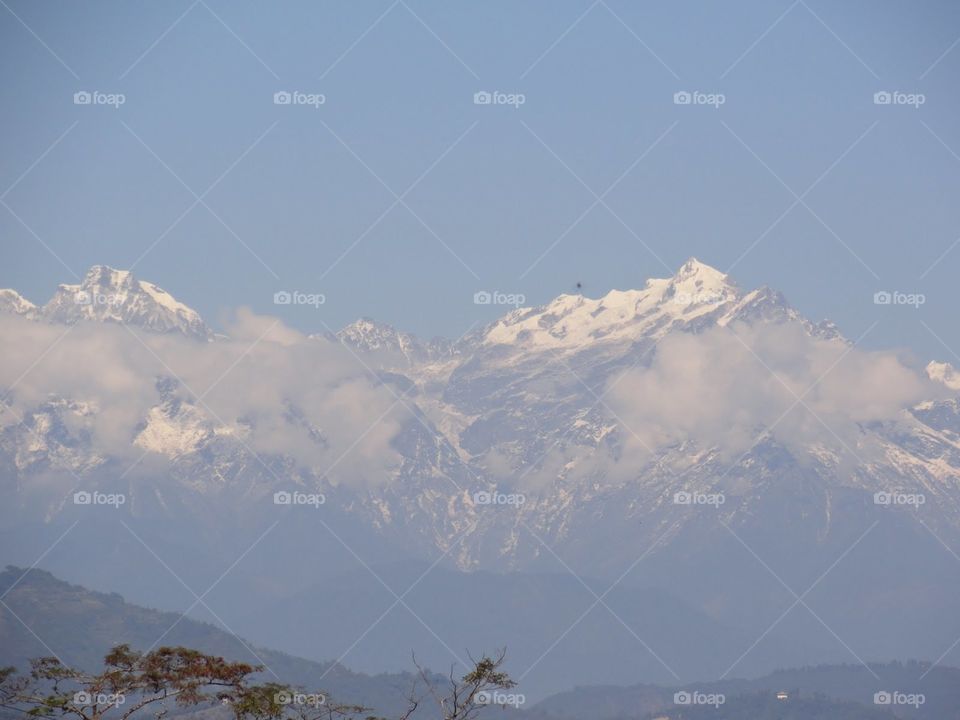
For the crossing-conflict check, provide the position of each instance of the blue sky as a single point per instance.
(504, 198)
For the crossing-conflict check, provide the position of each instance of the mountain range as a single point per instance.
(689, 474)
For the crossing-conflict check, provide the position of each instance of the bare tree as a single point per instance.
(466, 697)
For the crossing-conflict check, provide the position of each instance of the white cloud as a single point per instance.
(308, 398)
(282, 392)
(725, 387)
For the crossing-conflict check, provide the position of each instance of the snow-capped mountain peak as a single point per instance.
(701, 274)
(944, 372)
(13, 302)
(696, 283)
(368, 336)
(575, 321)
(109, 295)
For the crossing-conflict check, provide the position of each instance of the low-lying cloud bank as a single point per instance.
(278, 392)
(274, 389)
(728, 386)
(723, 391)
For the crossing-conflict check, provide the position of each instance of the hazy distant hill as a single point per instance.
(526, 612)
(765, 706)
(79, 625)
(808, 688)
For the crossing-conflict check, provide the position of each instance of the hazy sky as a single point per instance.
(798, 180)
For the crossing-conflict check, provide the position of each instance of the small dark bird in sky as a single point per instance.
(579, 286)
